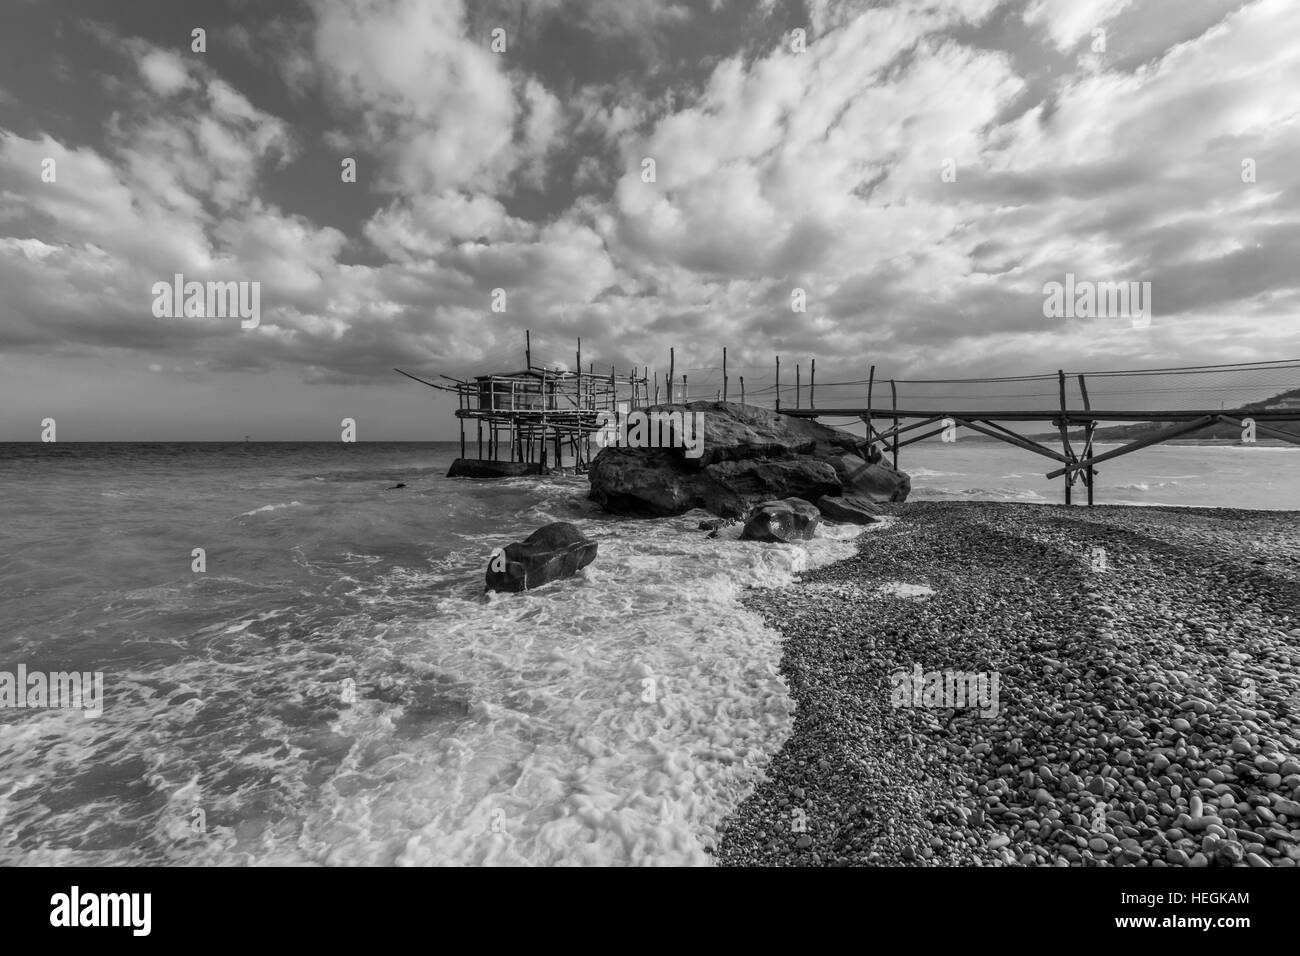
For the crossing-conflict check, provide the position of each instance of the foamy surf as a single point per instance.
(617, 718)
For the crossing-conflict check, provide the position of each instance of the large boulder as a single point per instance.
(848, 509)
(733, 432)
(550, 553)
(749, 455)
(875, 481)
(654, 482)
(791, 519)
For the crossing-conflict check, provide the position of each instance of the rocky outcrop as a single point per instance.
(550, 553)
(749, 455)
(875, 481)
(474, 468)
(849, 509)
(791, 519)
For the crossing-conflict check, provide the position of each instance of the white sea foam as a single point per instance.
(614, 718)
(617, 719)
(265, 508)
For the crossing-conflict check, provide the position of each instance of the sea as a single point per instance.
(300, 665)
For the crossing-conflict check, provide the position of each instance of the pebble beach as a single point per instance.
(1147, 695)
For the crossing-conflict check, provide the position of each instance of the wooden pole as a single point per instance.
(893, 393)
(812, 385)
(1065, 438)
(656, 388)
(542, 443)
(686, 392)
(778, 383)
(742, 390)
(528, 349)
(724, 373)
(796, 385)
(871, 381)
(1090, 475)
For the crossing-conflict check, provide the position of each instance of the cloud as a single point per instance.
(822, 170)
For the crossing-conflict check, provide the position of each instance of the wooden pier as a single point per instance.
(534, 416)
(544, 415)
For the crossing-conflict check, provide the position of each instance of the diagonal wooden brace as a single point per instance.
(1164, 436)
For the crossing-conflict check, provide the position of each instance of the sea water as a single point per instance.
(334, 687)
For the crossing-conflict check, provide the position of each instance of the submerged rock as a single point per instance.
(474, 468)
(791, 519)
(552, 552)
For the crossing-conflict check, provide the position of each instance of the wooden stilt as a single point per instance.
(778, 383)
(1065, 439)
(724, 373)
(812, 385)
(1090, 474)
(893, 393)
(871, 381)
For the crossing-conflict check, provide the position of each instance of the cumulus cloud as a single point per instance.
(916, 172)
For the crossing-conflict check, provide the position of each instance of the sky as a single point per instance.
(920, 169)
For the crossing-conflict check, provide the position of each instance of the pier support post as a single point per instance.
(893, 393)
(1064, 422)
(871, 431)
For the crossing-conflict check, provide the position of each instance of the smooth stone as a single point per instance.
(1290, 807)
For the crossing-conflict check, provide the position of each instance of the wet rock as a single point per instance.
(791, 519)
(848, 509)
(550, 553)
